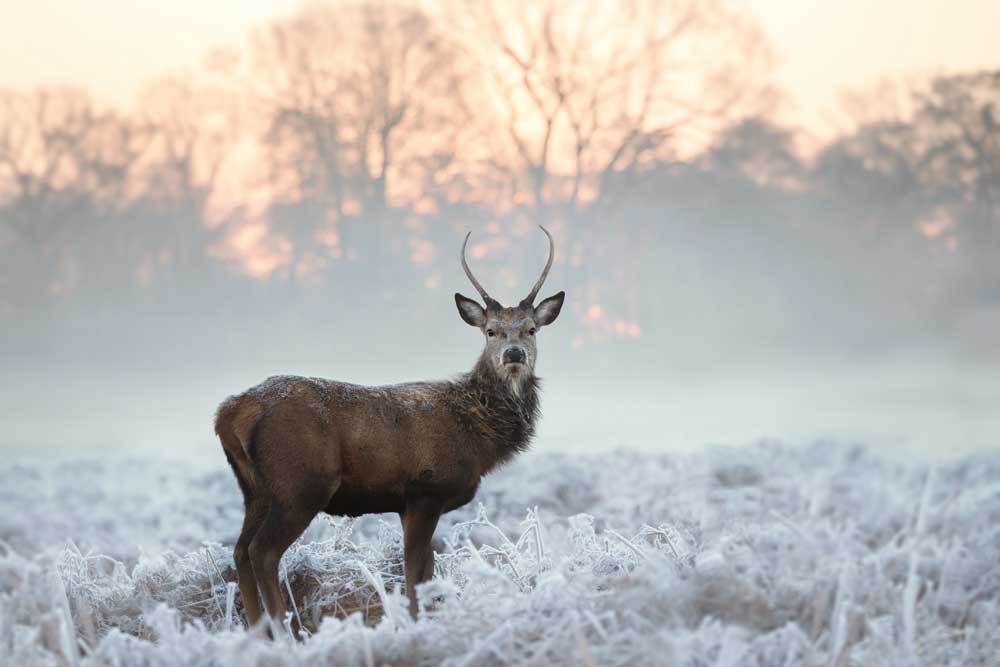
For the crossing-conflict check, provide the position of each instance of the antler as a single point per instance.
(530, 299)
(479, 288)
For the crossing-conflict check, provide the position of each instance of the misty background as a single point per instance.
(297, 205)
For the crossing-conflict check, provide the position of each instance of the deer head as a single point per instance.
(510, 332)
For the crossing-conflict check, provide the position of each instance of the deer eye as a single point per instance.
(531, 331)
(491, 333)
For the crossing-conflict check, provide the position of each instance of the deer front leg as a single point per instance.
(419, 521)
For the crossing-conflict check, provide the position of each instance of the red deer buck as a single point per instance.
(300, 446)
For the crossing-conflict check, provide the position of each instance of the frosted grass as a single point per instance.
(768, 555)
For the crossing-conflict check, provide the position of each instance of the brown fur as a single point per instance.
(299, 446)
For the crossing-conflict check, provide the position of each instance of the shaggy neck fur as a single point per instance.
(505, 415)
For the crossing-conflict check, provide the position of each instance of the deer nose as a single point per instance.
(514, 355)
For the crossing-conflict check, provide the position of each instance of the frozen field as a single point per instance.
(768, 555)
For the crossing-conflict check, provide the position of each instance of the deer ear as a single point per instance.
(470, 311)
(547, 311)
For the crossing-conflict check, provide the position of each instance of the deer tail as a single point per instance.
(235, 423)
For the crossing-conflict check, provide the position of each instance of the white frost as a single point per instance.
(769, 555)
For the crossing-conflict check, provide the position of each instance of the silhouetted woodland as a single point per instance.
(324, 176)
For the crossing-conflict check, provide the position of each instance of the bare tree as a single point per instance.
(40, 132)
(937, 148)
(958, 118)
(66, 174)
(587, 94)
(195, 127)
(958, 123)
(360, 107)
(364, 93)
(406, 83)
(759, 151)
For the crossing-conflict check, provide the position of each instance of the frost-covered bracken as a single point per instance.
(768, 555)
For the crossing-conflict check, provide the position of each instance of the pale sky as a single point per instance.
(113, 46)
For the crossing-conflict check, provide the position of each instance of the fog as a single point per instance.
(915, 402)
(279, 212)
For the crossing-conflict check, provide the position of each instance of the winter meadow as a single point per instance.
(764, 555)
(769, 432)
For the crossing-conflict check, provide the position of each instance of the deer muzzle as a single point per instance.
(514, 355)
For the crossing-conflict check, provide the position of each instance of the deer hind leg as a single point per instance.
(255, 512)
(284, 523)
(419, 521)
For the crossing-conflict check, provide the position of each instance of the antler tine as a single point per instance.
(530, 299)
(465, 265)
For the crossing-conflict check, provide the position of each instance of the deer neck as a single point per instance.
(506, 412)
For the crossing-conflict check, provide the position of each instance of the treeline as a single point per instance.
(333, 164)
